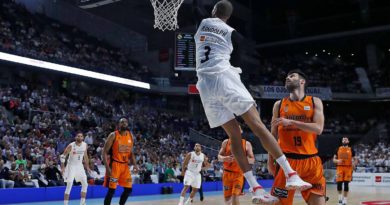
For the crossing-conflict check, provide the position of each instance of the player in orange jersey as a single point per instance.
(119, 146)
(346, 162)
(296, 121)
(233, 177)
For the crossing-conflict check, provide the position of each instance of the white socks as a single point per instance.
(66, 202)
(251, 179)
(282, 161)
(82, 201)
(345, 200)
(181, 199)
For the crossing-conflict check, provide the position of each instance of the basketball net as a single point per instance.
(165, 14)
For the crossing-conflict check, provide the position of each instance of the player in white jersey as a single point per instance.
(223, 96)
(74, 170)
(192, 165)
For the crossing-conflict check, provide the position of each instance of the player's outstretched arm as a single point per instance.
(106, 150)
(316, 126)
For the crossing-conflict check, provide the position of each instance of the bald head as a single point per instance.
(223, 10)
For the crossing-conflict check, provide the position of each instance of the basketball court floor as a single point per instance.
(358, 195)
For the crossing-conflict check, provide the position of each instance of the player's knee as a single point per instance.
(346, 186)
(68, 188)
(110, 192)
(339, 186)
(84, 186)
(127, 191)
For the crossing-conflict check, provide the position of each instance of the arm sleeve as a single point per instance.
(237, 41)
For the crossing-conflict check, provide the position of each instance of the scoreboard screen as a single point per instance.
(184, 52)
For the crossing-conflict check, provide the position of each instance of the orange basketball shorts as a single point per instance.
(120, 174)
(344, 173)
(232, 183)
(310, 170)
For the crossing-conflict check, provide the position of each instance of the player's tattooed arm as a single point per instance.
(106, 150)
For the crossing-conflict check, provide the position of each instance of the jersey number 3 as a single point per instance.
(207, 53)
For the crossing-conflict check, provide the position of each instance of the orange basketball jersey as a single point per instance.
(292, 139)
(232, 166)
(122, 147)
(345, 154)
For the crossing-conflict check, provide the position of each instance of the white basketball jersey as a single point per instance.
(213, 46)
(76, 154)
(196, 162)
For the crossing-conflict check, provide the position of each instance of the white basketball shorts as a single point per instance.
(192, 179)
(223, 95)
(74, 173)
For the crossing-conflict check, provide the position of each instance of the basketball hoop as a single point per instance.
(165, 14)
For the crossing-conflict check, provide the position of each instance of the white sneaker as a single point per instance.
(294, 182)
(260, 196)
(181, 203)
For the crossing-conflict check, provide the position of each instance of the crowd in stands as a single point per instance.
(322, 71)
(37, 124)
(38, 37)
(373, 157)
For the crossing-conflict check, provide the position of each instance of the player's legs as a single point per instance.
(183, 194)
(227, 187)
(339, 181)
(84, 188)
(125, 181)
(67, 192)
(347, 178)
(238, 183)
(233, 131)
(111, 182)
(192, 195)
(315, 199)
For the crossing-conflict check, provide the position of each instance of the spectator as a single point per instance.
(5, 178)
(54, 175)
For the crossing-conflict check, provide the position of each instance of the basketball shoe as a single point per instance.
(260, 196)
(294, 182)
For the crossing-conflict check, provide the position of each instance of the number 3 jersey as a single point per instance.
(76, 154)
(292, 139)
(213, 46)
(196, 162)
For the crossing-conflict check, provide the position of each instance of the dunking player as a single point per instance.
(74, 169)
(119, 146)
(296, 121)
(192, 165)
(223, 96)
(233, 177)
(346, 162)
